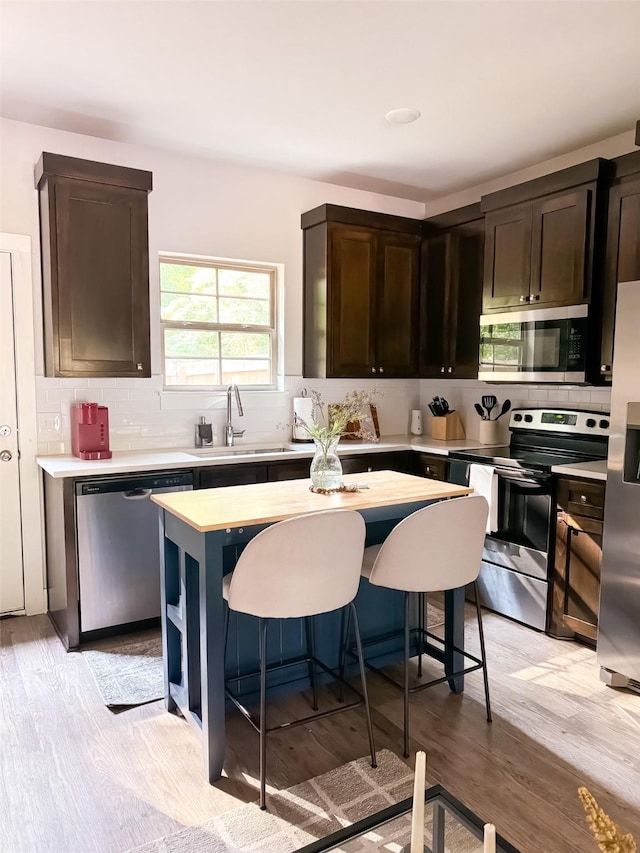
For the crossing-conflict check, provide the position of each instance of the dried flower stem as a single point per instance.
(609, 836)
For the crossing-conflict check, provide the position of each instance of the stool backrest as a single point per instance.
(301, 566)
(436, 548)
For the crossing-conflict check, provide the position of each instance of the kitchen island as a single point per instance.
(202, 534)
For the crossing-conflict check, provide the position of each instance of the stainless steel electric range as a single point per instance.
(514, 578)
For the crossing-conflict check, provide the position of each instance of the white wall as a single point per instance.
(202, 207)
(614, 146)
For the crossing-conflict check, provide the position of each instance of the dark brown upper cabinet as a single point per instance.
(622, 257)
(539, 248)
(451, 296)
(95, 267)
(361, 291)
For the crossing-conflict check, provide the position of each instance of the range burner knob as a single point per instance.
(517, 417)
(528, 418)
(590, 422)
(604, 424)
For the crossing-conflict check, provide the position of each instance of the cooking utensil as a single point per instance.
(505, 408)
(480, 411)
(489, 401)
(437, 408)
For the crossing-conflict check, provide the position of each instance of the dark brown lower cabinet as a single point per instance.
(577, 559)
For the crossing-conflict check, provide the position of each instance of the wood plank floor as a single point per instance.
(76, 778)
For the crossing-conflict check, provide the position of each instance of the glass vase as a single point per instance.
(326, 469)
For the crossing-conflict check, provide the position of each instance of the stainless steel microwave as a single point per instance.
(539, 345)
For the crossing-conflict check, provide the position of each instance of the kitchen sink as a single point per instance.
(237, 451)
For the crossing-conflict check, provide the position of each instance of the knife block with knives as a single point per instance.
(445, 423)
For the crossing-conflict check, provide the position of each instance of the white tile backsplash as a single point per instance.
(462, 394)
(143, 416)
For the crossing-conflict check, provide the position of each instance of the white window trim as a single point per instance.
(276, 272)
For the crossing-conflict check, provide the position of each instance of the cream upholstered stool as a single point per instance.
(433, 550)
(285, 573)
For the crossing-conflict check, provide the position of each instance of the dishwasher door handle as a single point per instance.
(137, 494)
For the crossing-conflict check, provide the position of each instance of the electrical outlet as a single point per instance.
(49, 424)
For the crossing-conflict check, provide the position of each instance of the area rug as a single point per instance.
(301, 814)
(127, 671)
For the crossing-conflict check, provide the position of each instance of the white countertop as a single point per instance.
(124, 461)
(590, 470)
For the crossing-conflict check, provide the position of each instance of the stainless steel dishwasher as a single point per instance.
(119, 547)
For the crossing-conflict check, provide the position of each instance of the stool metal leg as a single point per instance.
(483, 654)
(363, 679)
(420, 630)
(346, 629)
(226, 629)
(407, 651)
(311, 653)
(263, 712)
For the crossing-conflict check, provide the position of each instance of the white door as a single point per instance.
(11, 563)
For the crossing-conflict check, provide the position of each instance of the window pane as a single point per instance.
(187, 279)
(240, 283)
(190, 343)
(192, 371)
(198, 309)
(245, 372)
(245, 345)
(244, 311)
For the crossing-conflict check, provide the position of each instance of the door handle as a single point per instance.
(5, 456)
(136, 494)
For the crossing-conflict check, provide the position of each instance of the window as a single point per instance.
(217, 322)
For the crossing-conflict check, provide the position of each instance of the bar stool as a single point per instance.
(435, 549)
(287, 572)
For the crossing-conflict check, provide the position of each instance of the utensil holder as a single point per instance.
(489, 432)
(447, 428)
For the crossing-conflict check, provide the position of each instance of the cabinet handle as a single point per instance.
(534, 298)
(381, 370)
(450, 370)
(605, 368)
(524, 299)
(584, 499)
(373, 370)
(442, 370)
(139, 366)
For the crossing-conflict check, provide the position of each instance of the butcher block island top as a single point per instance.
(261, 503)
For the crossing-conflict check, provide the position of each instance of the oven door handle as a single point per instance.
(525, 480)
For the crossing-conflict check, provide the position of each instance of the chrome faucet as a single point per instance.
(230, 432)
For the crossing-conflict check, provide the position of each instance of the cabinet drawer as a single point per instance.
(231, 475)
(296, 470)
(432, 466)
(585, 499)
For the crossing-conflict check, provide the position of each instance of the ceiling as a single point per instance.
(303, 85)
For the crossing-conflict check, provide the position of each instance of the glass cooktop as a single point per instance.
(518, 457)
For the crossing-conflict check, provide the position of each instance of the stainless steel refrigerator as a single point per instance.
(619, 620)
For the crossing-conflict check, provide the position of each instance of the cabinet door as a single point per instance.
(559, 243)
(507, 260)
(465, 302)
(575, 573)
(396, 308)
(434, 305)
(352, 271)
(622, 260)
(99, 311)
(578, 558)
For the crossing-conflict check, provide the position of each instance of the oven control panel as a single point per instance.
(576, 421)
